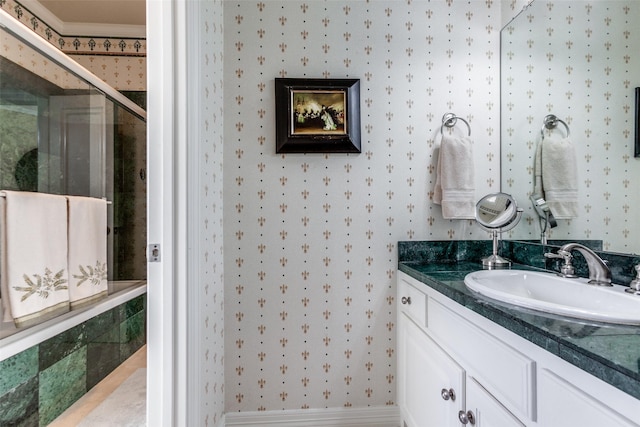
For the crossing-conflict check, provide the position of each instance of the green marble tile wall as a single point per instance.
(519, 252)
(39, 383)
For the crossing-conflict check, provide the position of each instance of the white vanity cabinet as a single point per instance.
(456, 367)
(485, 409)
(431, 387)
(434, 389)
(563, 404)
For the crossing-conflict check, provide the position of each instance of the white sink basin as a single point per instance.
(553, 294)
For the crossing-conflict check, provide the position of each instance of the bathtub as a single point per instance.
(15, 340)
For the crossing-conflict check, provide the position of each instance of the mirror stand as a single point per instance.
(495, 261)
(496, 213)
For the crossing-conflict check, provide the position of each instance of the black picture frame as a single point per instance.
(317, 115)
(636, 152)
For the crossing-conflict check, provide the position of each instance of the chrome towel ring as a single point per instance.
(449, 120)
(551, 122)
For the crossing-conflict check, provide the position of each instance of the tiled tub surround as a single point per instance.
(39, 383)
(609, 352)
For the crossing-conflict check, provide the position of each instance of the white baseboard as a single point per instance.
(381, 416)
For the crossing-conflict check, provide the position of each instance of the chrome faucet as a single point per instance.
(599, 273)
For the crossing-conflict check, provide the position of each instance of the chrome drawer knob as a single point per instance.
(466, 417)
(448, 394)
(406, 300)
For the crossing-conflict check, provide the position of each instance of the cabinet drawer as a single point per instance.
(412, 301)
(501, 369)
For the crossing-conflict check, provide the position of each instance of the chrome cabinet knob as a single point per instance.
(448, 394)
(467, 417)
(406, 300)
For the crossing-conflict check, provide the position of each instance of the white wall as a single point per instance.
(311, 240)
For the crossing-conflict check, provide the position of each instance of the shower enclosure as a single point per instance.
(63, 131)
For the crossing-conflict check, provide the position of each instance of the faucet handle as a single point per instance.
(565, 255)
(558, 255)
(634, 286)
(567, 269)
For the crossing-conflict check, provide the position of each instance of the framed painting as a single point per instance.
(637, 124)
(317, 115)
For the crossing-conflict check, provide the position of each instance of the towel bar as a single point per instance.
(108, 201)
(551, 122)
(449, 120)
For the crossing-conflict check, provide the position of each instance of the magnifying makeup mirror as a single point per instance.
(497, 212)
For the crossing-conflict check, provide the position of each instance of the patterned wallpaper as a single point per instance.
(124, 73)
(579, 61)
(311, 240)
(510, 9)
(211, 281)
(119, 62)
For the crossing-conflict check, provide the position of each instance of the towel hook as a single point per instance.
(449, 120)
(550, 121)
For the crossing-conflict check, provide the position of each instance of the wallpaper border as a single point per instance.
(76, 45)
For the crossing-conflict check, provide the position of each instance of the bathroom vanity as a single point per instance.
(463, 359)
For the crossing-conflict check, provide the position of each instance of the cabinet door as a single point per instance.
(562, 404)
(486, 410)
(425, 370)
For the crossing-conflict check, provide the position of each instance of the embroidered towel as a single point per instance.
(87, 249)
(557, 163)
(34, 256)
(455, 187)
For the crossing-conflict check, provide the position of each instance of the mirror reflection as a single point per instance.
(579, 61)
(496, 210)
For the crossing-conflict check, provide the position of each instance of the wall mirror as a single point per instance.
(580, 61)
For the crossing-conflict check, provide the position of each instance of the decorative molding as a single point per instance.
(130, 40)
(385, 416)
(44, 14)
(114, 31)
(76, 28)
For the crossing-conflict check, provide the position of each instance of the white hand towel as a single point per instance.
(455, 186)
(87, 249)
(559, 176)
(537, 168)
(34, 256)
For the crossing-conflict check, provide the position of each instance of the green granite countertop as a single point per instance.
(609, 352)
